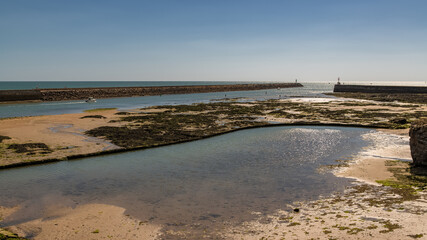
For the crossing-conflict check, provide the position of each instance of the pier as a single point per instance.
(60, 94)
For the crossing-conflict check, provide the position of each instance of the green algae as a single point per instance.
(99, 109)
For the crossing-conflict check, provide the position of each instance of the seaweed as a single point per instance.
(30, 148)
(93, 116)
(99, 109)
(3, 138)
(122, 113)
(10, 237)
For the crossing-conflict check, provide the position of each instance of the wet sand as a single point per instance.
(351, 215)
(91, 221)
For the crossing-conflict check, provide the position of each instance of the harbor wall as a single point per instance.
(60, 94)
(20, 95)
(378, 89)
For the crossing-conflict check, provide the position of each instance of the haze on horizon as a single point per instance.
(189, 40)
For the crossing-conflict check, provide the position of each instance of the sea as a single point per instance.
(8, 110)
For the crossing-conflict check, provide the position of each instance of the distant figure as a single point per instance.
(296, 80)
(265, 93)
(225, 95)
(338, 83)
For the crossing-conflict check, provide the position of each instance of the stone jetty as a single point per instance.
(379, 89)
(60, 94)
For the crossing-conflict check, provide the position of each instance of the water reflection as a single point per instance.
(204, 183)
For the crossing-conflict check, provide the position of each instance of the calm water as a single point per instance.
(52, 108)
(203, 183)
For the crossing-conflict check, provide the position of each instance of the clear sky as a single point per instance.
(247, 40)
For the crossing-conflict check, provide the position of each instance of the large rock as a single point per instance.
(418, 142)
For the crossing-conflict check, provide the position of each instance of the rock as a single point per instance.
(399, 120)
(418, 142)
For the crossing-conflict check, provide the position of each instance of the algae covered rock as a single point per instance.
(418, 142)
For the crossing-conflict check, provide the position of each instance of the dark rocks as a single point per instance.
(418, 142)
(30, 148)
(3, 138)
(399, 120)
(93, 116)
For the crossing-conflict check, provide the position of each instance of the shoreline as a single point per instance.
(123, 150)
(365, 210)
(50, 138)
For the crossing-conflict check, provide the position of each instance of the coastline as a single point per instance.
(344, 215)
(42, 139)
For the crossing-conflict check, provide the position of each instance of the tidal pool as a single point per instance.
(204, 185)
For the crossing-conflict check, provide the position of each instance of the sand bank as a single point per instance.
(63, 134)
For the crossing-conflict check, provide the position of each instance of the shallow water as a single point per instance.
(197, 185)
(53, 108)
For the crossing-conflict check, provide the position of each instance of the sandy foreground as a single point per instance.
(91, 221)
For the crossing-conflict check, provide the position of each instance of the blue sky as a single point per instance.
(225, 40)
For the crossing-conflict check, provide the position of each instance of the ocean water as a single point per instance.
(62, 107)
(204, 183)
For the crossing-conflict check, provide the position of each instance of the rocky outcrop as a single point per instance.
(109, 92)
(418, 142)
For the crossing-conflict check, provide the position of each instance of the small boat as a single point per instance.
(90, 99)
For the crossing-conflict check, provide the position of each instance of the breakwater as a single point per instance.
(60, 94)
(378, 89)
